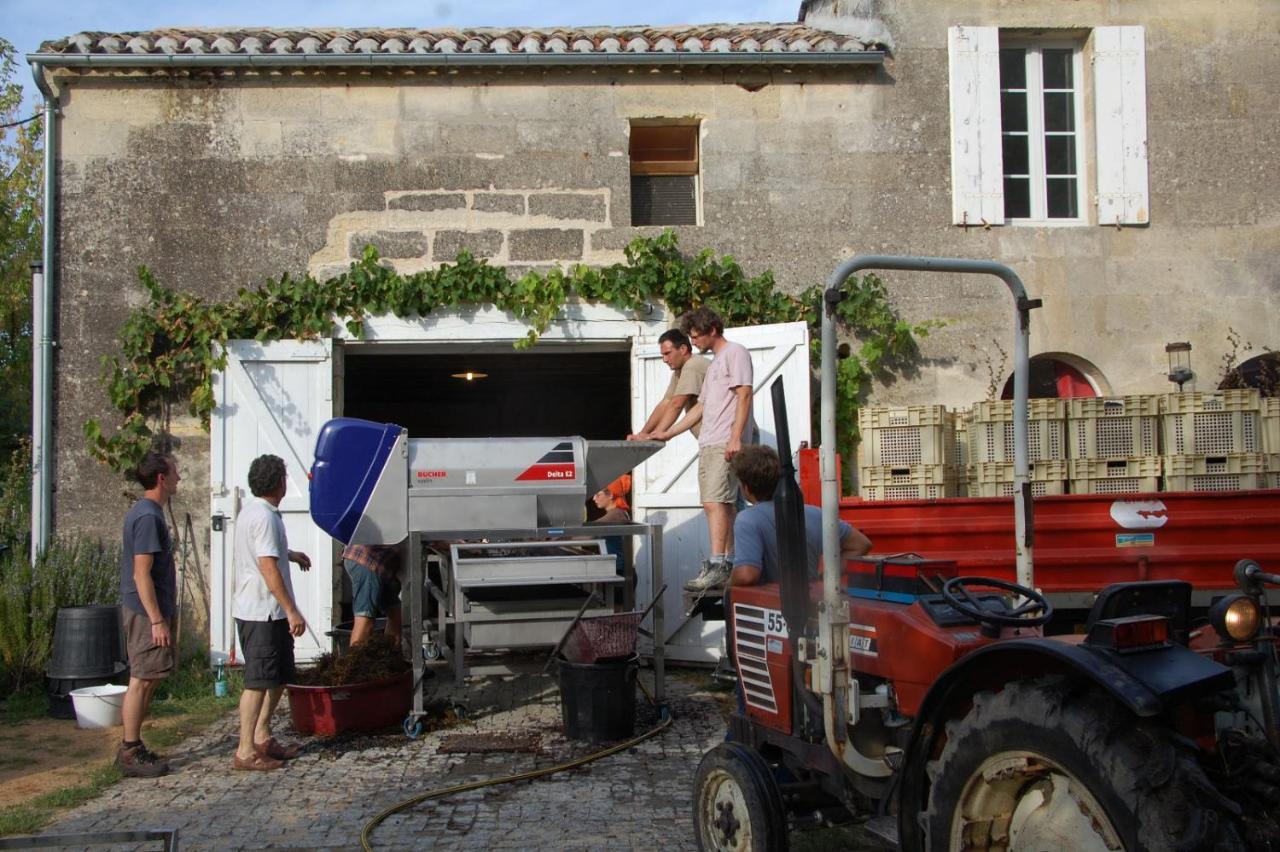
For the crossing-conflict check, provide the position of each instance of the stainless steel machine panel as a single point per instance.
(532, 563)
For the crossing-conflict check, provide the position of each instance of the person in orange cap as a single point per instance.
(612, 500)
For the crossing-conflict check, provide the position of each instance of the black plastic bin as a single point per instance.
(598, 700)
(88, 650)
(341, 633)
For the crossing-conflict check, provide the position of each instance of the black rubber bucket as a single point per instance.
(88, 641)
(598, 700)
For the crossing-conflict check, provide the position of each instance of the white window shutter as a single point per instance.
(1120, 116)
(977, 165)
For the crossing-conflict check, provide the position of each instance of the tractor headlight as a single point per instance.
(1235, 617)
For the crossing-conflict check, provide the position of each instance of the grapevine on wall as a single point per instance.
(168, 347)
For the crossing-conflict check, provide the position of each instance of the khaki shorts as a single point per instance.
(147, 660)
(716, 480)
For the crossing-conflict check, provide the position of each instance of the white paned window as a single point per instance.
(1041, 114)
(1019, 134)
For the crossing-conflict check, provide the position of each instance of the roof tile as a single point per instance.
(702, 38)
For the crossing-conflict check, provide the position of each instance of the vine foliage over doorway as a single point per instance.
(169, 353)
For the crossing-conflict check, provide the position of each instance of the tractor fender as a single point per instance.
(1146, 683)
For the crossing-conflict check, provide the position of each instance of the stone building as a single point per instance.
(1131, 183)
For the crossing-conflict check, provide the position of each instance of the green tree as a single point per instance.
(21, 167)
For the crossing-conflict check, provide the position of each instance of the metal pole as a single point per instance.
(37, 412)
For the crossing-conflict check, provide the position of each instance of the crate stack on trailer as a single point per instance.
(1214, 441)
(908, 453)
(990, 459)
(1225, 440)
(1114, 444)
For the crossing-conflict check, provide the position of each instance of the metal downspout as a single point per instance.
(42, 341)
(833, 616)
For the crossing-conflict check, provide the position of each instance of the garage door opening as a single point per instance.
(511, 393)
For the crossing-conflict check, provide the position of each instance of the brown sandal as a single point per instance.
(257, 763)
(276, 750)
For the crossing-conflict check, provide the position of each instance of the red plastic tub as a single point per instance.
(328, 710)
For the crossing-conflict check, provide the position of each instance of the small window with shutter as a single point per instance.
(664, 174)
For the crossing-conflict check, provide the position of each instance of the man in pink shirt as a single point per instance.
(724, 412)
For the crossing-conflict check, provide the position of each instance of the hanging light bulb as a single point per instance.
(470, 376)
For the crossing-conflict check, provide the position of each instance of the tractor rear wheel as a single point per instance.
(736, 804)
(1047, 764)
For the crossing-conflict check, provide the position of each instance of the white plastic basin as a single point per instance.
(98, 706)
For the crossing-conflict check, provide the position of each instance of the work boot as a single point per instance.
(714, 578)
(140, 762)
(697, 583)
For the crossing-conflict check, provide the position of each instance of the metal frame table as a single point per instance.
(418, 591)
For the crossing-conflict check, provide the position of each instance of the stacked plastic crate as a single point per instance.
(1114, 444)
(963, 468)
(907, 453)
(991, 448)
(1213, 441)
(1271, 439)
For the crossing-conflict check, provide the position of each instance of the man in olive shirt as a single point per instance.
(687, 374)
(149, 596)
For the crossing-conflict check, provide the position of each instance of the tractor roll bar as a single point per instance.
(833, 642)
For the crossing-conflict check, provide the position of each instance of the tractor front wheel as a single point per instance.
(736, 804)
(1049, 764)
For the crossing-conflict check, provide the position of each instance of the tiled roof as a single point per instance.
(736, 39)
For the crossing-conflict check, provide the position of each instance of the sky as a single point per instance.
(27, 23)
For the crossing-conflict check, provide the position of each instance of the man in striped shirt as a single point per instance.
(375, 587)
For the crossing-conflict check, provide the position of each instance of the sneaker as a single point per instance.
(713, 579)
(140, 762)
(697, 584)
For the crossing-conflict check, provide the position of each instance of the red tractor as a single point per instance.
(934, 707)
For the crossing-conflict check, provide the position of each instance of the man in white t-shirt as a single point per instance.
(724, 411)
(267, 617)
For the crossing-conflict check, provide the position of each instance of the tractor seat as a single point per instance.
(1170, 598)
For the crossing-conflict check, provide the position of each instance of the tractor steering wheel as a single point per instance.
(956, 592)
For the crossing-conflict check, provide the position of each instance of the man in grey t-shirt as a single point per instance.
(149, 600)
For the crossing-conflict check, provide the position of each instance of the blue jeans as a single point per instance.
(371, 595)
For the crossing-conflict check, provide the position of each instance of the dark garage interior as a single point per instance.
(524, 393)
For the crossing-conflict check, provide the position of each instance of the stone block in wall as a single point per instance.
(545, 244)
(568, 205)
(479, 243)
(426, 201)
(498, 202)
(400, 244)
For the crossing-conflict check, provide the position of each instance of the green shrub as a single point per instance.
(73, 571)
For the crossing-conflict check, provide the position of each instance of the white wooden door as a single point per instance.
(273, 398)
(665, 487)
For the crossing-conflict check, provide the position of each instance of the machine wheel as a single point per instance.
(1045, 764)
(736, 804)
(412, 727)
(430, 651)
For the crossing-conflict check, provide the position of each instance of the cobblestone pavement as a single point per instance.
(638, 799)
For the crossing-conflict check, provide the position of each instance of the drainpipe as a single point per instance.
(42, 340)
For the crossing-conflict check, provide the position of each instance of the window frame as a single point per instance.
(1034, 70)
(690, 168)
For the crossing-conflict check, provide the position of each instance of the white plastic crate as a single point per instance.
(995, 479)
(907, 436)
(1115, 476)
(1211, 424)
(1270, 420)
(916, 482)
(962, 440)
(991, 431)
(1237, 472)
(1122, 427)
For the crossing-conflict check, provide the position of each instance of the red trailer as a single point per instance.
(1083, 542)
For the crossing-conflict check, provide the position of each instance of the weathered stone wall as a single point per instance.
(219, 183)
